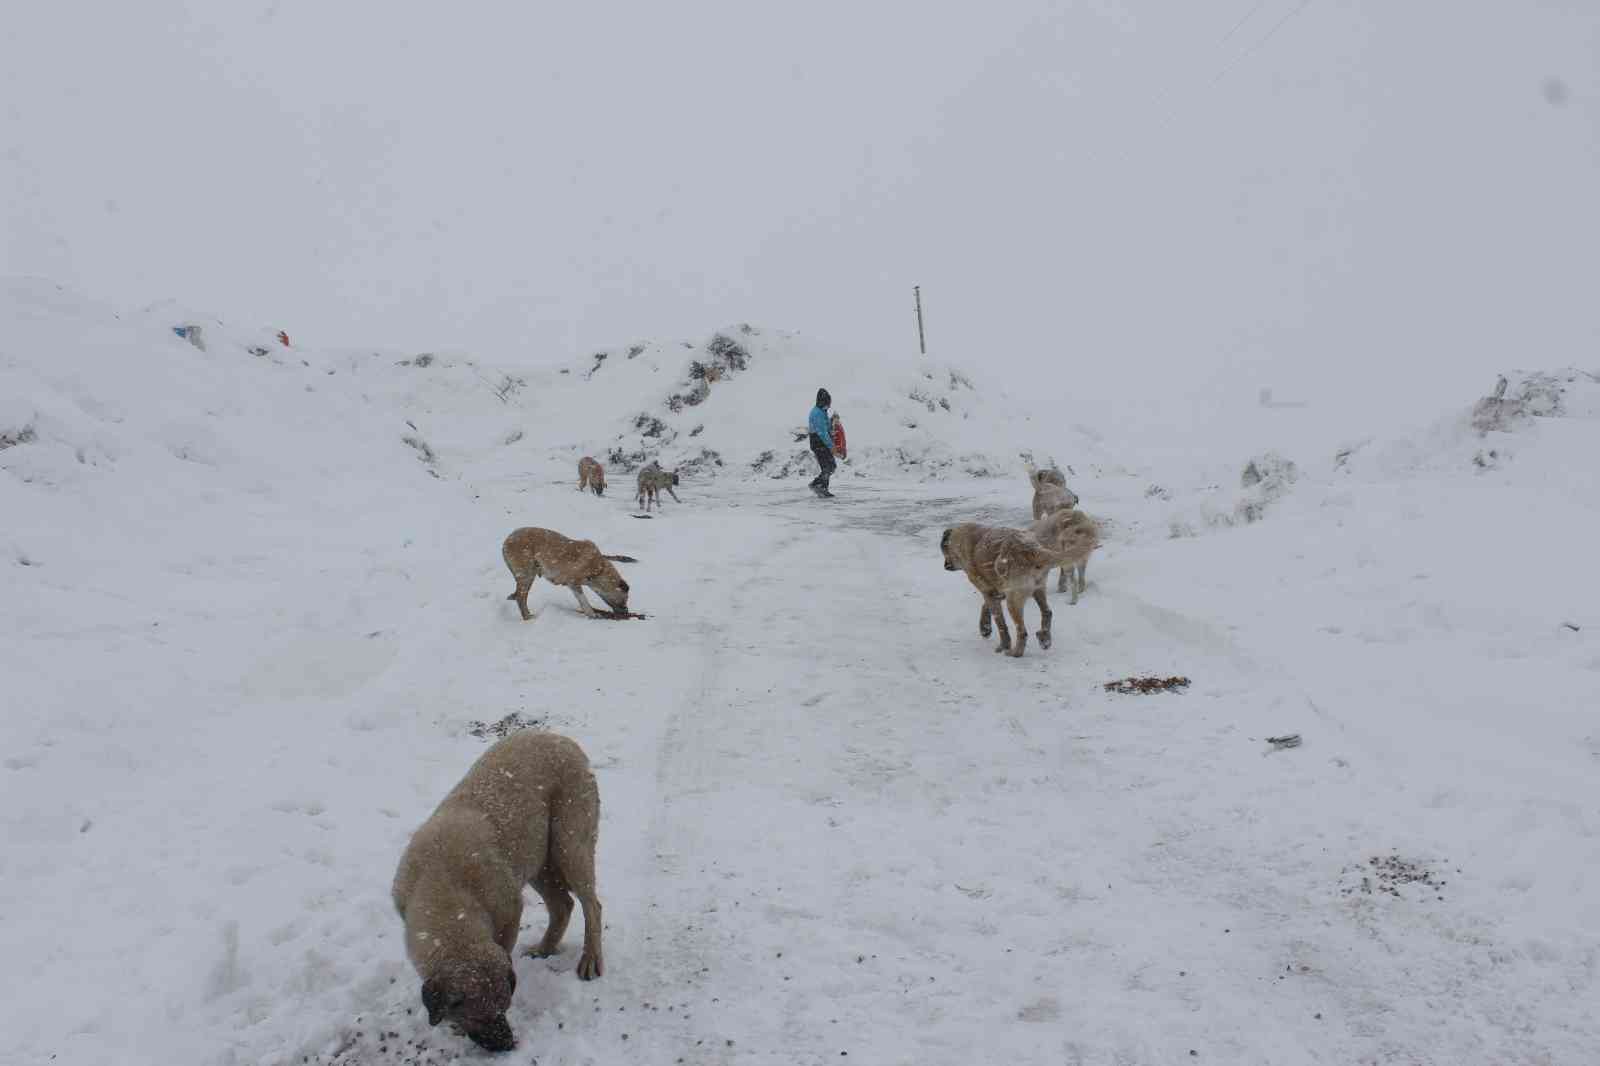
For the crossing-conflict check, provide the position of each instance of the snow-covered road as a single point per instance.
(836, 826)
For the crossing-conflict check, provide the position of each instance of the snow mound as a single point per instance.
(1265, 479)
(1525, 395)
(1534, 419)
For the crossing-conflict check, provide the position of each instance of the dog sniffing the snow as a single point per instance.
(591, 475)
(652, 479)
(531, 553)
(526, 813)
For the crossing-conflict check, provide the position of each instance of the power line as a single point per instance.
(1237, 26)
(1260, 44)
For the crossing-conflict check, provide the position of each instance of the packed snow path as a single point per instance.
(836, 826)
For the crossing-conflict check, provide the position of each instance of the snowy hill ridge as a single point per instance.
(737, 404)
(733, 405)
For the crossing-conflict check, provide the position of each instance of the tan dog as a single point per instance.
(1005, 566)
(1050, 492)
(591, 475)
(652, 479)
(1072, 536)
(531, 553)
(527, 813)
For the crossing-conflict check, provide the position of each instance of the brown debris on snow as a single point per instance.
(1387, 873)
(511, 723)
(1145, 685)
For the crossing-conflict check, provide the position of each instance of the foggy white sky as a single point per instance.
(1143, 194)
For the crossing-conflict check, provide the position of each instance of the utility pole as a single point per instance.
(922, 340)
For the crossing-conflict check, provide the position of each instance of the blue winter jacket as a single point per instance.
(819, 424)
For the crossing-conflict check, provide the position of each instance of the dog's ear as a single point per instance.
(433, 999)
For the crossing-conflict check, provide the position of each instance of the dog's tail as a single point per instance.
(620, 558)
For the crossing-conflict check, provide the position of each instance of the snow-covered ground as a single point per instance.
(251, 637)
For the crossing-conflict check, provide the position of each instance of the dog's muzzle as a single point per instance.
(496, 1036)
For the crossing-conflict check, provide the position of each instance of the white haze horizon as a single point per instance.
(1165, 206)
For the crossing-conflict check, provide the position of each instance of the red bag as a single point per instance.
(838, 439)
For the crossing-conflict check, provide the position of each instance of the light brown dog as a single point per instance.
(652, 479)
(531, 553)
(591, 475)
(1050, 492)
(1006, 566)
(1072, 536)
(527, 813)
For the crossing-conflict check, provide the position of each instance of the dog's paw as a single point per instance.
(590, 967)
(1044, 639)
(540, 951)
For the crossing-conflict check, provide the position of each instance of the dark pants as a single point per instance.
(824, 454)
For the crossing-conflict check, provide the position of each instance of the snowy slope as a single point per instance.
(732, 405)
(253, 633)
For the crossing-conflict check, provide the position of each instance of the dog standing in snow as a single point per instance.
(531, 553)
(1050, 492)
(1006, 566)
(591, 475)
(526, 813)
(652, 479)
(1072, 536)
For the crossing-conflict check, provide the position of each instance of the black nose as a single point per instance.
(496, 1036)
(949, 566)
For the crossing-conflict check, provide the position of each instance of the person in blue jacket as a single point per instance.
(822, 443)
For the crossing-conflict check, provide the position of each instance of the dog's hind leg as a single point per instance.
(984, 627)
(996, 608)
(1080, 579)
(1064, 577)
(558, 902)
(520, 593)
(674, 495)
(1044, 616)
(572, 842)
(1014, 602)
